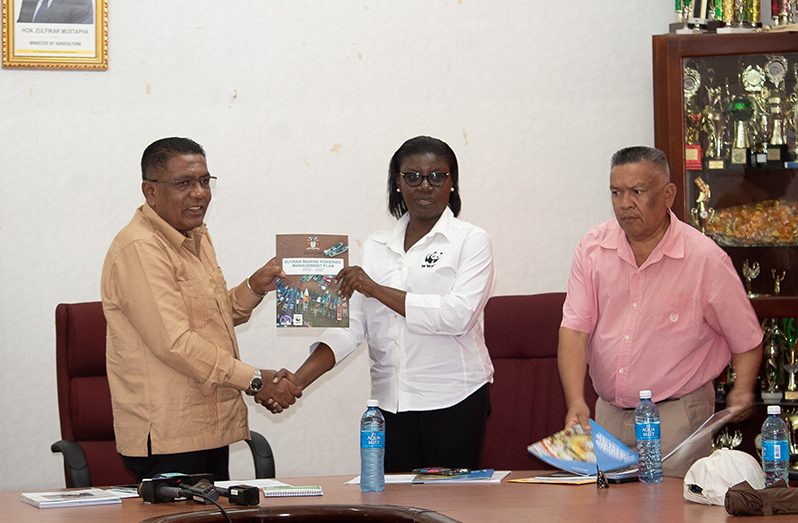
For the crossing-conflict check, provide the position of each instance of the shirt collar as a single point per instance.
(396, 239)
(172, 235)
(671, 244)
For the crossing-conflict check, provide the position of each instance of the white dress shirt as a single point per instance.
(436, 356)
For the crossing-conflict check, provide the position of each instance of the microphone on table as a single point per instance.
(199, 487)
(170, 487)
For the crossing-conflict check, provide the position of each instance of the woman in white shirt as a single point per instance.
(417, 301)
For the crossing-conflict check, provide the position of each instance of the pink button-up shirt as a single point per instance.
(669, 325)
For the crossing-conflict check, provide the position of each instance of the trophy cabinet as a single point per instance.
(716, 97)
(726, 115)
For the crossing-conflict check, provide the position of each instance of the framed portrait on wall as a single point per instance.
(63, 34)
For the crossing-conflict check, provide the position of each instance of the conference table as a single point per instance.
(469, 503)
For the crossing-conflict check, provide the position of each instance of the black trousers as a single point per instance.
(214, 461)
(450, 437)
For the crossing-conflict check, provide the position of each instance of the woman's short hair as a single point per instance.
(421, 145)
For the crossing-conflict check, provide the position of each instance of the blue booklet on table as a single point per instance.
(445, 475)
(584, 451)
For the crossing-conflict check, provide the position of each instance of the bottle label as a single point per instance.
(647, 431)
(372, 440)
(775, 450)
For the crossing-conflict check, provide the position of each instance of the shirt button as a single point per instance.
(620, 371)
(626, 338)
(634, 305)
(674, 317)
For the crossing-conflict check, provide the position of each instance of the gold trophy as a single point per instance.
(713, 125)
(750, 273)
(775, 343)
(777, 279)
(791, 367)
(753, 79)
(741, 110)
(702, 214)
(777, 143)
(791, 417)
(776, 71)
(691, 83)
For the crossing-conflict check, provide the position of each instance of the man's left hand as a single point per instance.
(264, 279)
(741, 402)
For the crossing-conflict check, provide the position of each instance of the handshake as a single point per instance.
(280, 390)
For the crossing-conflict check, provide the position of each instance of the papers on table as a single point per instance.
(568, 478)
(496, 477)
(557, 478)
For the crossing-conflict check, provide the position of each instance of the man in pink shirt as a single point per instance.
(654, 304)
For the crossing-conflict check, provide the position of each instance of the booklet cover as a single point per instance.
(443, 475)
(584, 451)
(70, 498)
(308, 296)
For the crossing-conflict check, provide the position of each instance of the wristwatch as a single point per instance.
(256, 383)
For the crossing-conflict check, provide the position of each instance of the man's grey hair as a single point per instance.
(641, 153)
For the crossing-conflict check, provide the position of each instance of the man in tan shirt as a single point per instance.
(172, 355)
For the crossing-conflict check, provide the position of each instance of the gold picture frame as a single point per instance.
(55, 34)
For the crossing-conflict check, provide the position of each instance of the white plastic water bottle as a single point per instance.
(775, 449)
(372, 449)
(647, 436)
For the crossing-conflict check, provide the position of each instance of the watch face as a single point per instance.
(256, 384)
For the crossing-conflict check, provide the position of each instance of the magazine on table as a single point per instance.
(583, 452)
(70, 498)
(447, 475)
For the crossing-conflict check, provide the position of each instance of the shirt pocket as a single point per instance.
(678, 313)
(198, 303)
(432, 272)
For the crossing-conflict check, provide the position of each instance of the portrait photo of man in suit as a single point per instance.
(57, 12)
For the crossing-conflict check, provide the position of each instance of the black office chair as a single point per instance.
(84, 403)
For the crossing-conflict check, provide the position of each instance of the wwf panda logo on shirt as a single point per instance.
(431, 259)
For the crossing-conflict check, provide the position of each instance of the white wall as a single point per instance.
(300, 104)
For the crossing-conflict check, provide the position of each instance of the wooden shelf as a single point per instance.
(775, 306)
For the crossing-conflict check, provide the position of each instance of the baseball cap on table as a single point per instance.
(709, 478)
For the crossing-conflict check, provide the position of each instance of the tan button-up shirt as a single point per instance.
(172, 354)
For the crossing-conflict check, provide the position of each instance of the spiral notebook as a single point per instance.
(280, 491)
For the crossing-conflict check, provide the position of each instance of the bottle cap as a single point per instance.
(373, 403)
(774, 409)
(645, 394)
